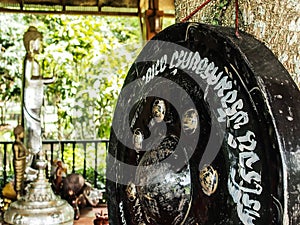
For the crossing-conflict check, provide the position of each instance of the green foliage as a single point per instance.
(90, 174)
(11, 54)
(85, 57)
(89, 58)
(90, 161)
(218, 11)
(9, 178)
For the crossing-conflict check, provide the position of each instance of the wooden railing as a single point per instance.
(79, 155)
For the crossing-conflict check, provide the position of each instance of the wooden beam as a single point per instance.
(73, 12)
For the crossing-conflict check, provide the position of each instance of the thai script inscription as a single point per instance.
(122, 213)
(248, 209)
(244, 180)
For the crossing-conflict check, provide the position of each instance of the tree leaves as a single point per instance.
(89, 57)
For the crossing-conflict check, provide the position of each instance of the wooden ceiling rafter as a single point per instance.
(63, 3)
(86, 7)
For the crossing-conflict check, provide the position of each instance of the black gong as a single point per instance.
(205, 131)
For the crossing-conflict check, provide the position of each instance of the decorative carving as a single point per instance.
(131, 192)
(209, 180)
(190, 121)
(138, 138)
(159, 110)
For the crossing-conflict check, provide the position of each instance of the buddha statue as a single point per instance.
(33, 93)
(19, 160)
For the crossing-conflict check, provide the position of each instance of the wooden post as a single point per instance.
(152, 22)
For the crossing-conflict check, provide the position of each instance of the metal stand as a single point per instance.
(40, 205)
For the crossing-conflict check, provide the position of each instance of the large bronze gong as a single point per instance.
(205, 131)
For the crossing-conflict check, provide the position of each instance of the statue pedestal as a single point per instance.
(40, 205)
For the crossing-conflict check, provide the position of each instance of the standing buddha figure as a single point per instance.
(33, 93)
(19, 160)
